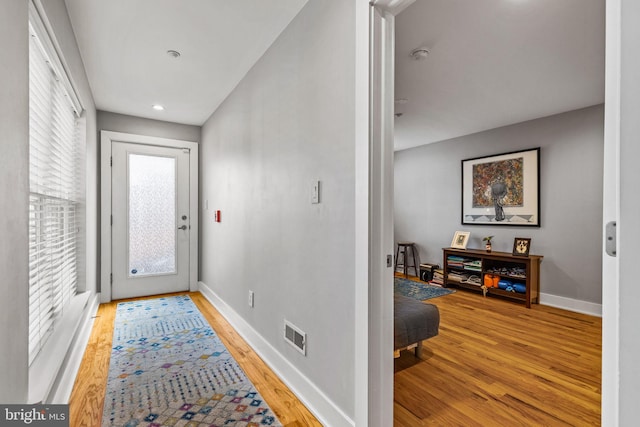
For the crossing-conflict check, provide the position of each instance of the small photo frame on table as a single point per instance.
(460, 239)
(521, 246)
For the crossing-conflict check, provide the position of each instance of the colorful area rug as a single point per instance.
(169, 368)
(418, 290)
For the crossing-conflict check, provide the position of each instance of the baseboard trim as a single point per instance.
(69, 371)
(327, 412)
(584, 307)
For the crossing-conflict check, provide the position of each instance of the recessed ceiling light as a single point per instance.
(173, 53)
(420, 54)
(158, 107)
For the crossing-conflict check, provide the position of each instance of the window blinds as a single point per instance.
(55, 159)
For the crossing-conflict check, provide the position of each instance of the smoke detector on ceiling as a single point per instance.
(419, 54)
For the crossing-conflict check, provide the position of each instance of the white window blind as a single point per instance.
(56, 155)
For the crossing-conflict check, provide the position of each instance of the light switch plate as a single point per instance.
(315, 192)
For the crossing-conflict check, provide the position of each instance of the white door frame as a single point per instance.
(374, 210)
(620, 293)
(610, 212)
(107, 138)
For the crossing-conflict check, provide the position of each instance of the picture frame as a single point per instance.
(503, 189)
(460, 239)
(521, 246)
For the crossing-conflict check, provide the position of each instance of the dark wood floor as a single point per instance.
(497, 363)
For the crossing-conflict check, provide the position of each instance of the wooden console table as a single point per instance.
(516, 269)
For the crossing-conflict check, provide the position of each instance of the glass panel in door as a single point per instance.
(150, 220)
(152, 215)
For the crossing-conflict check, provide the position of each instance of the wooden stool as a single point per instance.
(403, 247)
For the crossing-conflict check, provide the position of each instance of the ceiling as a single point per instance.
(124, 43)
(492, 63)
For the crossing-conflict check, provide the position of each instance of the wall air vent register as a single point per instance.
(294, 336)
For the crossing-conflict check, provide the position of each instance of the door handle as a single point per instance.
(182, 227)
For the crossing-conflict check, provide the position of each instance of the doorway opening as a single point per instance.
(438, 195)
(149, 215)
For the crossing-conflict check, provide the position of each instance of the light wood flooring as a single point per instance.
(497, 363)
(494, 363)
(88, 394)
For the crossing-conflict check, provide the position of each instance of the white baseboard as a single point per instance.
(571, 304)
(327, 412)
(69, 371)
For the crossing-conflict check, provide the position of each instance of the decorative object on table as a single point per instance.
(418, 290)
(168, 367)
(460, 239)
(487, 241)
(521, 246)
(503, 189)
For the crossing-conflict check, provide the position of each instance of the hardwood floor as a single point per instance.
(88, 393)
(497, 363)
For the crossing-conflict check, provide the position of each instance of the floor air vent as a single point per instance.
(295, 337)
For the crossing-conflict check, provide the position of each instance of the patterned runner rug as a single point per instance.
(169, 368)
(418, 290)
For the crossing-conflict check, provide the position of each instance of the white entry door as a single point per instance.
(150, 220)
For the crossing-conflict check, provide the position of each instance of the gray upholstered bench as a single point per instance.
(413, 321)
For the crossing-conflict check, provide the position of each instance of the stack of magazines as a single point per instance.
(475, 265)
(456, 261)
(438, 277)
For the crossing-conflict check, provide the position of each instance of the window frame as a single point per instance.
(69, 210)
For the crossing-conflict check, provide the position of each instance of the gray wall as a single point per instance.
(137, 125)
(427, 198)
(290, 121)
(14, 192)
(14, 197)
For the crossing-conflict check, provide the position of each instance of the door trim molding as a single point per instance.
(107, 138)
(610, 391)
(375, 35)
